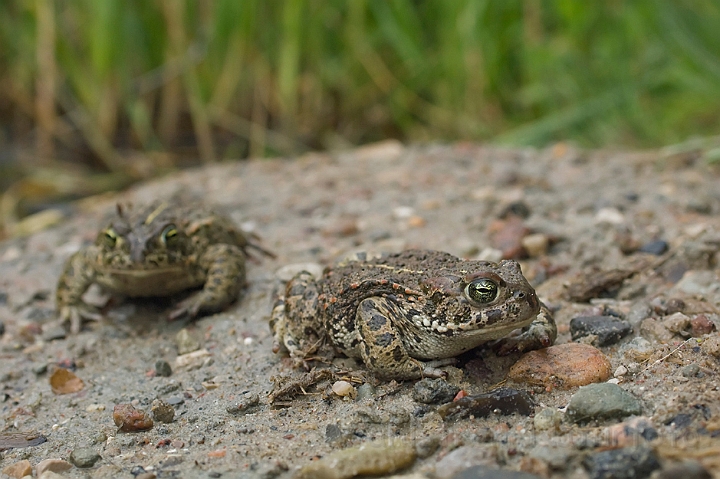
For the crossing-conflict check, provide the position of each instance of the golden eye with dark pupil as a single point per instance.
(482, 290)
(110, 237)
(169, 234)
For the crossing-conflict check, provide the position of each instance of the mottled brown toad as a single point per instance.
(404, 313)
(158, 250)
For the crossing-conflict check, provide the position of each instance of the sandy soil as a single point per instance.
(594, 208)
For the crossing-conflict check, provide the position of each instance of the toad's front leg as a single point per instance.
(225, 267)
(541, 333)
(381, 346)
(77, 276)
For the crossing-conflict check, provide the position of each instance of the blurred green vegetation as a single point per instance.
(135, 87)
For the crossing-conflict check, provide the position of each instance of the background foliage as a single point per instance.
(133, 87)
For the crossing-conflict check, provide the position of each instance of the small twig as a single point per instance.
(658, 361)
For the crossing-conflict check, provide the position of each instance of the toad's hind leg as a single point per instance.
(381, 345)
(295, 321)
(225, 266)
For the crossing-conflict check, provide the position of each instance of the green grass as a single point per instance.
(190, 81)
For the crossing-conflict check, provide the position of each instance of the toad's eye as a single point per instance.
(169, 235)
(482, 291)
(110, 237)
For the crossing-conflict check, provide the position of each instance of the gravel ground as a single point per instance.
(630, 238)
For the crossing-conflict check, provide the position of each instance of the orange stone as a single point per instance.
(563, 366)
(19, 469)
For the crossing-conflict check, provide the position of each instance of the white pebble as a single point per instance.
(609, 215)
(343, 388)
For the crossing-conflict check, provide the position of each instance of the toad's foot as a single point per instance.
(76, 313)
(541, 333)
(225, 266)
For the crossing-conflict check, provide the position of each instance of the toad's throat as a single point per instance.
(148, 282)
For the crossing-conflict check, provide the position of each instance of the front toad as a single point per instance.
(404, 313)
(158, 250)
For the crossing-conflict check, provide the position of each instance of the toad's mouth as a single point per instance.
(144, 270)
(495, 331)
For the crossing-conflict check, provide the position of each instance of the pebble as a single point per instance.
(609, 215)
(426, 447)
(129, 419)
(638, 349)
(546, 419)
(162, 368)
(54, 465)
(461, 459)
(343, 389)
(711, 346)
(433, 391)
(490, 254)
(50, 475)
(628, 433)
(499, 401)
(506, 235)
(371, 458)
(162, 411)
(248, 403)
(365, 390)
(557, 457)
(19, 469)
(333, 433)
(620, 371)
(563, 366)
(175, 401)
(84, 457)
(656, 247)
(690, 371)
(698, 282)
(627, 463)
(193, 360)
(535, 244)
(2, 328)
(601, 401)
(53, 333)
(186, 342)
(482, 472)
(689, 469)
(700, 325)
(608, 329)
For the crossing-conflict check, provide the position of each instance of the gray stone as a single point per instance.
(433, 391)
(364, 391)
(548, 418)
(162, 368)
(53, 333)
(464, 457)
(482, 472)
(426, 447)
(626, 463)
(689, 469)
(186, 342)
(601, 401)
(608, 329)
(84, 457)
(690, 371)
(557, 457)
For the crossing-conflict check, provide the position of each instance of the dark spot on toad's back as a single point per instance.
(384, 340)
(377, 321)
